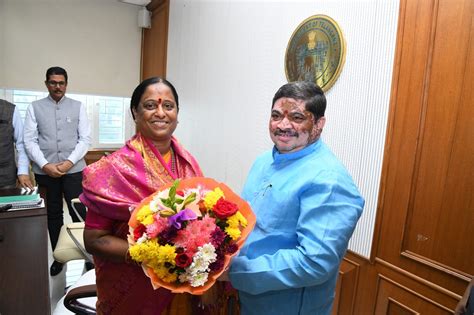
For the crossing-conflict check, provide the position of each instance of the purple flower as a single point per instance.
(231, 248)
(217, 237)
(218, 264)
(180, 217)
(167, 235)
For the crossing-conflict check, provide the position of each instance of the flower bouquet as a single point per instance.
(185, 234)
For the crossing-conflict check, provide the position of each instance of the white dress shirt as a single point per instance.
(23, 161)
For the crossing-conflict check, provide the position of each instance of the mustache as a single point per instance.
(288, 133)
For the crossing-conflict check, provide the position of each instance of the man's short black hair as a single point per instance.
(310, 93)
(56, 71)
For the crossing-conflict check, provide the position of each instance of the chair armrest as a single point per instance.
(71, 299)
(75, 201)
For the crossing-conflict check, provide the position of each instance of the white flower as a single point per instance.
(208, 253)
(197, 273)
(189, 191)
(164, 194)
(184, 277)
(205, 255)
(198, 265)
(156, 204)
(142, 238)
(199, 279)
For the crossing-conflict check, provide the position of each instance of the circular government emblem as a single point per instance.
(316, 52)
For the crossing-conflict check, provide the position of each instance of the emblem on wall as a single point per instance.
(316, 52)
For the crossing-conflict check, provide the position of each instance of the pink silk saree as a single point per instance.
(111, 187)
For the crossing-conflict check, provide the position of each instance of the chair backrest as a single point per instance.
(74, 202)
(70, 244)
(80, 298)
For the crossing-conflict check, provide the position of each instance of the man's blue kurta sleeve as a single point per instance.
(328, 212)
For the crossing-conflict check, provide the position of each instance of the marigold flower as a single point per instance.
(145, 215)
(166, 254)
(141, 251)
(236, 220)
(164, 274)
(234, 233)
(211, 197)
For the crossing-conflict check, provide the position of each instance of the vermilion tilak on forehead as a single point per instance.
(288, 106)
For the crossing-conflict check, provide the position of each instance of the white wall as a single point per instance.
(2, 45)
(226, 59)
(97, 41)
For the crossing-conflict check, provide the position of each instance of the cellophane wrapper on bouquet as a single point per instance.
(185, 234)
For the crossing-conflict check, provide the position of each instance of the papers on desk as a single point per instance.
(25, 205)
(22, 199)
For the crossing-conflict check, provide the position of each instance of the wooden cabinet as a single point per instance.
(24, 281)
(422, 256)
(95, 155)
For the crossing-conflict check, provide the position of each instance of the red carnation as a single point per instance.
(183, 260)
(224, 208)
(180, 193)
(138, 231)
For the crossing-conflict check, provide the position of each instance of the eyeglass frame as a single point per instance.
(55, 83)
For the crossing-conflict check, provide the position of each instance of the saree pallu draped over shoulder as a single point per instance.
(111, 187)
(121, 180)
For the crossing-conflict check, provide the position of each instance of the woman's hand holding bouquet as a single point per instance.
(185, 234)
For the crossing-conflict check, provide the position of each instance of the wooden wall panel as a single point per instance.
(427, 149)
(394, 298)
(396, 308)
(155, 41)
(346, 287)
(442, 186)
(422, 258)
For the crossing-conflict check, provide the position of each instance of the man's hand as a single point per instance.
(25, 181)
(64, 166)
(51, 169)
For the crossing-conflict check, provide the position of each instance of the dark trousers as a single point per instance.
(68, 186)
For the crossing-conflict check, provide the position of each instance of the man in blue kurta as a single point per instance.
(307, 207)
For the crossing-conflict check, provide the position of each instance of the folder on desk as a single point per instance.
(21, 198)
(23, 205)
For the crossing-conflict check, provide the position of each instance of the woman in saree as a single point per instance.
(114, 185)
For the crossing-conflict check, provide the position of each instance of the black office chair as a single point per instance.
(80, 298)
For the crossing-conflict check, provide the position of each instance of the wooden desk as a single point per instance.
(24, 280)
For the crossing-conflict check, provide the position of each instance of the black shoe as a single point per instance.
(55, 268)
